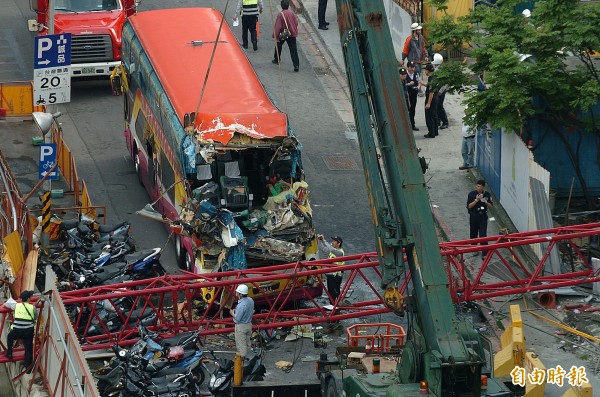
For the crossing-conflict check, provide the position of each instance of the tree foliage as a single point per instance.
(546, 57)
(535, 68)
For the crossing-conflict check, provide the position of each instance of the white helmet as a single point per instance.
(242, 289)
(437, 59)
(526, 13)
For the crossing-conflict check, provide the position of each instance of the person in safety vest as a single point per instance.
(333, 249)
(249, 9)
(23, 327)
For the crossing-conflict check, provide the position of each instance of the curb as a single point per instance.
(301, 10)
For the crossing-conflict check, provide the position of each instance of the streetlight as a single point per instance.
(45, 120)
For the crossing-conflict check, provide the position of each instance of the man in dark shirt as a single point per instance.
(431, 99)
(478, 203)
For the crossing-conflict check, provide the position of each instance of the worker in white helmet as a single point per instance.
(526, 13)
(438, 59)
(242, 317)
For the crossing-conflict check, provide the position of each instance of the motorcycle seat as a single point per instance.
(113, 266)
(111, 228)
(170, 372)
(68, 225)
(137, 256)
(90, 247)
(106, 274)
(83, 229)
(179, 340)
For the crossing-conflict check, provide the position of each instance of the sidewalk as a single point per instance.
(448, 185)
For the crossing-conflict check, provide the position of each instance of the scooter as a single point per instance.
(128, 380)
(140, 367)
(84, 228)
(222, 378)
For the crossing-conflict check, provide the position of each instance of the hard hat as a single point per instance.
(415, 26)
(526, 13)
(437, 59)
(242, 289)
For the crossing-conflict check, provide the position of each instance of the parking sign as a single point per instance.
(52, 74)
(47, 161)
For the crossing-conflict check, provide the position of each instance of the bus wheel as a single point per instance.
(184, 260)
(136, 163)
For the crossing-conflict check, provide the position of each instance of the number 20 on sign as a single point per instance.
(52, 85)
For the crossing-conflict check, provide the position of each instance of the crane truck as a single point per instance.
(442, 356)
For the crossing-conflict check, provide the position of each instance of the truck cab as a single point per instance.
(95, 27)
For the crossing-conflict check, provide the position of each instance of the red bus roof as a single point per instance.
(234, 99)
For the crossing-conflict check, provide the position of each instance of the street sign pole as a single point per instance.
(51, 16)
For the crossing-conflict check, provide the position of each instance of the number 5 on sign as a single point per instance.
(51, 85)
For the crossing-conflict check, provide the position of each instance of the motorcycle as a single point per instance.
(89, 229)
(108, 320)
(148, 360)
(126, 379)
(136, 266)
(222, 378)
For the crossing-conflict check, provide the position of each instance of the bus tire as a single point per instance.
(136, 163)
(183, 257)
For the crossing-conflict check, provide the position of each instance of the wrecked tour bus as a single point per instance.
(217, 157)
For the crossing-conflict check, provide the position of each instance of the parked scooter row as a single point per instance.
(108, 316)
(136, 266)
(87, 254)
(178, 362)
(169, 367)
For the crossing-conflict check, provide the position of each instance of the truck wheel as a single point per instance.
(184, 260)
(331, 389)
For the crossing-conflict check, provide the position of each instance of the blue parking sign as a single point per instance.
(47, 161)
(52, 50)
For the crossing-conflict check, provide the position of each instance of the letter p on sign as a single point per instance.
(47, 161)
(44, 44)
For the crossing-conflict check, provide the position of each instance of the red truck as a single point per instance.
(95, 27)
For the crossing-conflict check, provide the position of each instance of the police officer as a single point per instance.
(23, 327)
(478, 203)
(249, 10)
(431, 98)
(334, 249)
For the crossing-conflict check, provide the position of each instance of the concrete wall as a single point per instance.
(506, 164)
(399, 21)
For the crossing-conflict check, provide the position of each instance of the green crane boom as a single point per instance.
(440, 350)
